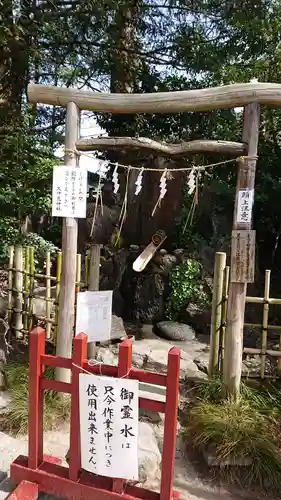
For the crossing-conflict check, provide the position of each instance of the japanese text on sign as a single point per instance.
(69, 192)
(94, 315)
(109, 426)
(245, 205)
(242, 269)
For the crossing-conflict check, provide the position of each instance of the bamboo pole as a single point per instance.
(10, 284)
(94, 285)
(48, 295)
(78, 272)
(237, 291)
(224, 312)
(87, 270)
(31, 285)
(26, 287)
(220, 260)
(78, 282)
(265, 322)
(66, 317)
(18, 286)
(224, 96)
(58, 277)
(279, 360)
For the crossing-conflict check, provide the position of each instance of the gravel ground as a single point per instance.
(187, 481)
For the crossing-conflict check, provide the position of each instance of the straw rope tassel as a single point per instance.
(123, 212)
(98, 195)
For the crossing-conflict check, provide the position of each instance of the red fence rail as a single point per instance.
(38, 472)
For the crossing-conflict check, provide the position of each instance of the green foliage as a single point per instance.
(26, 166)
(25, 176)
(186, 286)
(41, 246)
(239, 430)
(9, 235)
(15, 417)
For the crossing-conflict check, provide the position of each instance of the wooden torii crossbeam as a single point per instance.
(161, 148)
(247, 95)
(225, 96)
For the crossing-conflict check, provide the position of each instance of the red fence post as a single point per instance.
(36, 398)
(79, 355)
(124, 366)
(170, 425)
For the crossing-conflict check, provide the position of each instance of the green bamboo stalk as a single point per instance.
(216, 313)
(48, 295)
(26, 286)
(223, 313)
(87, 270)
(265, 323)
(59, 265)
(31, 286)
(10, 285)
(18, 298)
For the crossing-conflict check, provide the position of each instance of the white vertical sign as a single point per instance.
(94, 315)
(109, 426)
(245, 205)
(69, 196)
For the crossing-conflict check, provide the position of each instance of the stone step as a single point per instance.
(151, 391)
(5, 486)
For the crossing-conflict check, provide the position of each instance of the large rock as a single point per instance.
(117, 328)
(198, 317)
(149, 298)
(152, 354)
(5, 400)
(149, 453)
(173, 330)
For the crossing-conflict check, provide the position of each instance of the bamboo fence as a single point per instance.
(219, 319)
(26, 285)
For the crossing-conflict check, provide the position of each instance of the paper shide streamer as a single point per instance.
(115, 179)
(139, 182)
(163, 190)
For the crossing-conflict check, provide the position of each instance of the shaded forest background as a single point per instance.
(138, 46)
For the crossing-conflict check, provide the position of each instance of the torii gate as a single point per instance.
(250, 96)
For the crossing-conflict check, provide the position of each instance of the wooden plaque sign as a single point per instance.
(242, 267)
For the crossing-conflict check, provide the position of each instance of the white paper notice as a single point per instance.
(109, 414)
(93, 315)
(245, 205)
(69, 198)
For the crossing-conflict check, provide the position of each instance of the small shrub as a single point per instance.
(234, 430)
(15, 417)
(186, 286)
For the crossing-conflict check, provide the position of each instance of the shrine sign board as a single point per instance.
(242, 268)
(109, 414)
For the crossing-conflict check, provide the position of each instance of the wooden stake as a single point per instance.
(69, 251)
(237, 291)
(93, 286)
(220, 261)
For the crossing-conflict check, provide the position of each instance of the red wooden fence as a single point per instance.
(38, 472)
